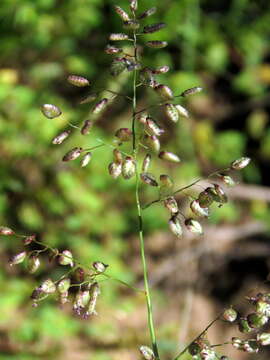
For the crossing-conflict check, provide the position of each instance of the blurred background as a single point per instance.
(222, 46)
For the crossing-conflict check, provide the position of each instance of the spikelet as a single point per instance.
(182, 111)
(156, 44)
(61, 137)
(112, 50)
(148, 29)
(148, 179)
(164, 92)
(78, 80)
(172, 112)
(87, 125)
(191, 91)
(169, 156)
(86, 159)
(146, 162)
(123, 15)
(50, 111)
(100, 106)
(72, 154)
(118, 37)
(147, 13)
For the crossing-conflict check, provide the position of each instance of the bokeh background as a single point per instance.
(222, 46)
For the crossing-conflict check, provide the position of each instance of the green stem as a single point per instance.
(197, 337)
(139, 212)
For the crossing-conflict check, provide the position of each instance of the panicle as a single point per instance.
(33, 264)
(147, 353)
(194, 226)
(164, 92)
(112, 50)
(17, 258)
(182, 111)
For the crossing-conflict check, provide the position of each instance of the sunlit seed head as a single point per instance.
(50, 111)
(78, 80)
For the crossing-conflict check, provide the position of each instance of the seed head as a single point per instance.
(111, 50)
(175, 226)
(182, 111)
(205, 199)
(33, 264)
(99, 266)
(243, 326)
(153, 128)
(156, 44)
(147, 13)
(172, 112)
(63, 285)
(191, 91)
(227, 180)
(133, 5)
(66, 258)
(169, 156)
(115, 169)
(124, 134)
(47, 287)
(152, 142)
(256, 321)
(50, 111)
(88, 99)
(148, 29)
(164, 92)
(194, 226)
(240, 164)
(18, 258)
(81, 300)
(171, 204)
(162, 69)
(148, 179)
(4, 230)
(100, 106)
(131, 24)
(146, 162)
(123, 15)
(147, 353)
(263, 339)
(117, 156)
(198, 210)
(61, 137)
(229, 315)
(94, 293)
(78, 80)
(86, 159)
(118, 37)
(87, 125)
(128, 168)
(29, 239)
(72, 154)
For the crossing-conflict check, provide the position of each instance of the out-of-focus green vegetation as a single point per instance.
(222, 46)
